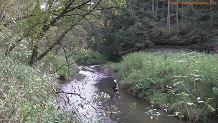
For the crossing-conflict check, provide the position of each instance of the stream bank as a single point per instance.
(184, 82)
(84, 97)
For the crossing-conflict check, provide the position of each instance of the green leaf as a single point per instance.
(191, 104)
(210, 108)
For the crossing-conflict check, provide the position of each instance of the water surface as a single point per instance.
(84, 97)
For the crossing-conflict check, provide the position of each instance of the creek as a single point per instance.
(90, 96)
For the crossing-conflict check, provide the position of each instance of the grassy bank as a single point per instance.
(185, 83)
(26, 94)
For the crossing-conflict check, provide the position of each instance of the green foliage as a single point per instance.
(123, 32)
(185, 82)
(27, 96)
(88, 57)
(137, 27)
(57, 63)
(44, 24)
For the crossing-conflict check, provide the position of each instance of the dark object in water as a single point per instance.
(216, 111)
(63, 77)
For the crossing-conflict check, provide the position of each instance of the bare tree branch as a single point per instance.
(76, 94)
(65, 54)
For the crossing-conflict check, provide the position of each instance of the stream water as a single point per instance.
(91, 97)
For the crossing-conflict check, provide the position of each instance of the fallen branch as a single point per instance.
(57, 92)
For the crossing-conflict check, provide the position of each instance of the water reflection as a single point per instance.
(130, 109)
(86, 102)
(80, 95)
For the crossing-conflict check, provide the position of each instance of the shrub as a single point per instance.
(26, 95)
(88, 57)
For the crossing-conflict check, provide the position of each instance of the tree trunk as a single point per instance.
(156, 8)
(211, 16)
(168, 16)
(45, 28)
(152, 6)
(58, 41)
(10, 48)
(34, 55)
(177, 16)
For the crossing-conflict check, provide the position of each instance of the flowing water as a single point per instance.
(91, 97)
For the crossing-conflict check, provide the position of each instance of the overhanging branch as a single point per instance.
(58, 41)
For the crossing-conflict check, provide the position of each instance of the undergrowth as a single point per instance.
(185, 83)
(88, 57)
(26, 94)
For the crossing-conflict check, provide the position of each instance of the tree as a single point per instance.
(177, 15)
(153, 22)
(127, 30)
(168, 16)
(43, 16)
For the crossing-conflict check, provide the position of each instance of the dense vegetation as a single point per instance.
(26, 94)
(39, 40)
(185, 83)
(148, 23)
(43, 38)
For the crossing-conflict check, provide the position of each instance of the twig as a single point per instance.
(61, 67)
(57, 92)
(65, 54)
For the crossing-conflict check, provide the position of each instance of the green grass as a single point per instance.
(178, 78)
